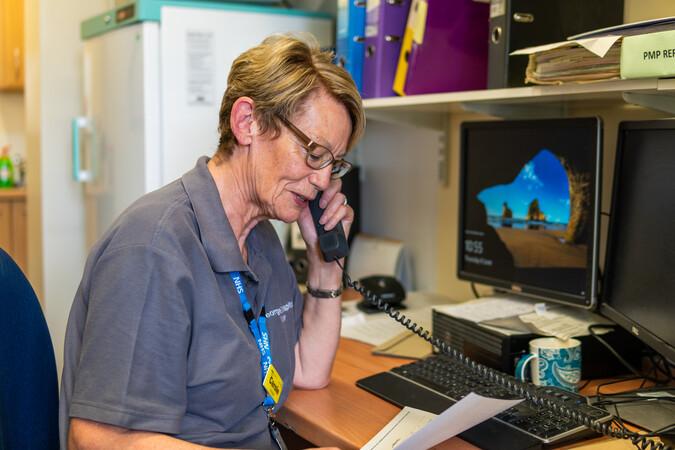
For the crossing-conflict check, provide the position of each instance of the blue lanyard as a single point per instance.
(258, 328)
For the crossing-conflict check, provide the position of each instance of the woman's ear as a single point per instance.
(242, 122)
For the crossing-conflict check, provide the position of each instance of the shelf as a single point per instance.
(430, 110)
(17, 193)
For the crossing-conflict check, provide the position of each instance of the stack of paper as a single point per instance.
(593, 56)
(573, 63)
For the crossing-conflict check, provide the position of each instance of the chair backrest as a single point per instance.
(28, 378)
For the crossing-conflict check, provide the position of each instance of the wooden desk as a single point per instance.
(345, 416)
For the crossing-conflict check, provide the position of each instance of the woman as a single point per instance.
(187, 299)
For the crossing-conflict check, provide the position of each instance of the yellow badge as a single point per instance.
(273, 383)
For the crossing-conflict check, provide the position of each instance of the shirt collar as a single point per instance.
(217, 236)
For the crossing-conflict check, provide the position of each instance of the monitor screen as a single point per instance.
(529, 196)
(638, 287)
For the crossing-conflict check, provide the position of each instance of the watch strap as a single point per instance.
(323, 293)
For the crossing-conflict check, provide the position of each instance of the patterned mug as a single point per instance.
(555, 362)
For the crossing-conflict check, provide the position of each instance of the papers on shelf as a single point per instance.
(599, 46)
(592, 56)
(576, 61)
(416, 429)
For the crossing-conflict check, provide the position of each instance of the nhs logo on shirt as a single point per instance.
(280, 311)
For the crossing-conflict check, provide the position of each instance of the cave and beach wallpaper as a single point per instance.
(528, 198)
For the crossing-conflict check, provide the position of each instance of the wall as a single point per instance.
(638, 10)
(52, 98)
(398, 191)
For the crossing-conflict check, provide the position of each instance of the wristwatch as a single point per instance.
(323, 293)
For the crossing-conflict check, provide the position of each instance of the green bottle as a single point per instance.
(6, 169)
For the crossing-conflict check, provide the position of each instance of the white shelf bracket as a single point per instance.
(444, 157)
(658, 101)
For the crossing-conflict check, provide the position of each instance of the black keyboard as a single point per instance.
(435, 383)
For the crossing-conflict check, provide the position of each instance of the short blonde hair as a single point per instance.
(279, 75)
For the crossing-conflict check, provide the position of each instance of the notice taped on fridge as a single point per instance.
(201, 68)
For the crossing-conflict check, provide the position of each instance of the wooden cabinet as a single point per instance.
(11, 45)
(13, 225)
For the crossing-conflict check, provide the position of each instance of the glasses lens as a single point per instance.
(340, 169)
(318, 158)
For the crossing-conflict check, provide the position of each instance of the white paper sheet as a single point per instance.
(488, 308)
(377, 328)
(371, 330)
(413, 429)
(599, 45)
(565, 323)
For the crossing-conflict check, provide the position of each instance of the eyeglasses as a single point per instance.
(318, 156)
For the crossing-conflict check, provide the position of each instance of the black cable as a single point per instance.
(584, 385)
(612, 351)
(518, 387)
(613, 400)
(591, 330)
(475, 291)
(667, 365)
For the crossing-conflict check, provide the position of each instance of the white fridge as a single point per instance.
(154, 72)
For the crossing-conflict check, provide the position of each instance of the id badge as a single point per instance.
(273, 383)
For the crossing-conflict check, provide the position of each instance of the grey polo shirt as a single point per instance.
(156, 338)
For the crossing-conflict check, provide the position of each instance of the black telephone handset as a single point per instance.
(333, 243)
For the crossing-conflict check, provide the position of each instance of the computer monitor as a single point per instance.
(638, 284)
(528, 207)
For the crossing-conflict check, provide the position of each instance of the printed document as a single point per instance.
(414, 429)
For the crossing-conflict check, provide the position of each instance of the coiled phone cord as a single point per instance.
(514, 385)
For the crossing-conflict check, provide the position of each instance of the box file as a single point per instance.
(444, 47)
(385, 24)
(350, 37)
